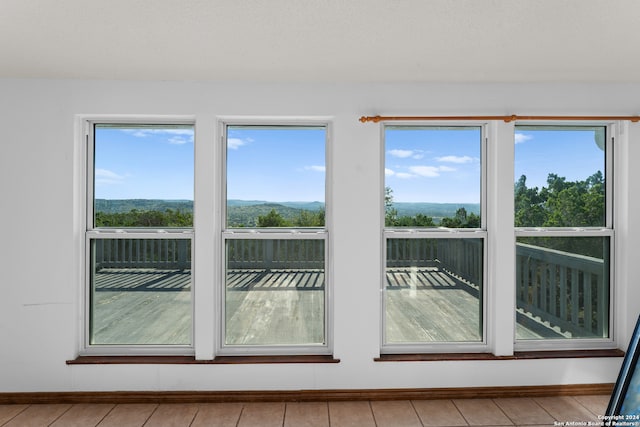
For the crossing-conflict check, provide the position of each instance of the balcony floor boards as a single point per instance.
(284, 306)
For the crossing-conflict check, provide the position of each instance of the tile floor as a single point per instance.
(538, 411)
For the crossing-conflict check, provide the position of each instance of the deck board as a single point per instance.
(280, 306)
(429, 305)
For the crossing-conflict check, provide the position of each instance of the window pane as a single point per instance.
(434, 290)
(432, 176)
(275, 176)
(140, 291)
(562, 287)
(275, 292)
(560, 176)
(143, 175)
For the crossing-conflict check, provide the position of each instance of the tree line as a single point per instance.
(461, 219)
(563, 203)
(184, 219)
(145, 218)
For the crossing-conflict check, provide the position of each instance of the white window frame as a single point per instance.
(86, 126)
(606, 231)
(223, 349)
(483, 345)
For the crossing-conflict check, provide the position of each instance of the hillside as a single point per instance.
(244, 213)
(127, 205)
(435, 210)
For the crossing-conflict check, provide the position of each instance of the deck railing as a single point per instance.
(460, 257)
(275, 253)
(172, 254)
(564, 290)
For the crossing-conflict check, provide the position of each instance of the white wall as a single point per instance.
(39, 257)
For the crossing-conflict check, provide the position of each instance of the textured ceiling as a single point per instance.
(323, 40)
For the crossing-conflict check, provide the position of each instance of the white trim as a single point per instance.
(501, 243)
(612, 131)
(285, 233)
(85, 125)
(437, 233)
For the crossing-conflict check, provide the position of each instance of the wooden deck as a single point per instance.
(275, 307)
(141, 306)
(431, 305)
(263, 307)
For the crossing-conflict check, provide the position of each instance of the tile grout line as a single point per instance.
(194, 415)
(373, 414)
(460, 412)
(588, 409)
(513, 423)
(106, 415)
(416, 412)
(240, 415)
(12, 418)
(150, 415)
(284, 414)
(61, 415)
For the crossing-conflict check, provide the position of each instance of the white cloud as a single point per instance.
(315, 168)
(446, 169)
(403, 154)
(105, 176)
(403, 175)
(173, 135)
(426, 171)
(177, 140)
(455, 159)
(235, 143)
(388, 172)
(521, 137)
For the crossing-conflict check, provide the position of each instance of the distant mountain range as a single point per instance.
(126, 205)
(435, 210)
(246, 212)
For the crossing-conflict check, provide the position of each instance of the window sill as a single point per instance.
(190, 360)
(435, 357)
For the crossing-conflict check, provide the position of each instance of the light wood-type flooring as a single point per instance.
(285, 306)
(538, 411)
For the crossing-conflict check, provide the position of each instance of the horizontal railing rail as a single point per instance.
(142, 253)
(275, 253)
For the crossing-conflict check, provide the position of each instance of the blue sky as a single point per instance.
(442, 165)
(434, 165)
(276, 164)
(144, 163)
(573, 154)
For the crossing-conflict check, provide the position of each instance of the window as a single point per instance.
(275, 240)
(564, 235)
(139, 237)
(434, 239)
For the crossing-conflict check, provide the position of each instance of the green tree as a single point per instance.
(272, 219)
(309, 219)
(390, 213)
(144, 218)
(462, 220)
(563, 203)
(529, 205)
